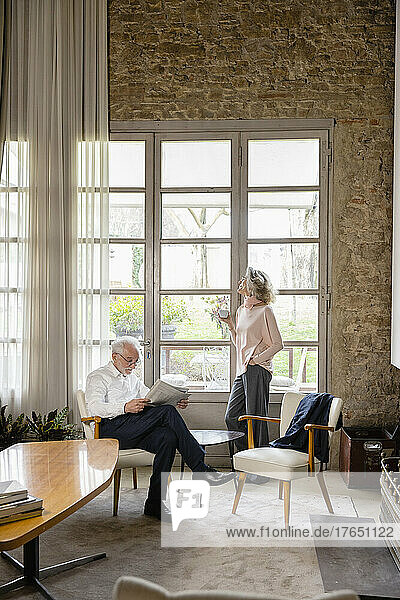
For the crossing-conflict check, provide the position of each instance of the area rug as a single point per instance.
(132, 543)
(258, 522)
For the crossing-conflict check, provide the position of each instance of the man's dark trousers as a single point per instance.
(160, 430)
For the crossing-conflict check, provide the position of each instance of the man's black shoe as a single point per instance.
(213, 477)
(257, 479)
(162, 512)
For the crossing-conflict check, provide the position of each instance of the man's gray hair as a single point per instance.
(119, 344)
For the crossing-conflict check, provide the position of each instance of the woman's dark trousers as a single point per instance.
(249, 395)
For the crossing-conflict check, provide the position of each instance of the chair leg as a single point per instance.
(117, 481)
(280, 489)
(242, 479)
(134, 473)
(286, 501)
(324, 490)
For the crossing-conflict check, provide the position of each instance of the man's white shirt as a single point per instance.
(108, 390)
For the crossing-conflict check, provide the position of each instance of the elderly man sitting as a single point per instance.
(115, 394)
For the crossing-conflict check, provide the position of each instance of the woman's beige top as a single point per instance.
(256, 337)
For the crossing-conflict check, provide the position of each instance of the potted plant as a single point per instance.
(173, 310)
(12, 431)
(51, 426)
(126, 315)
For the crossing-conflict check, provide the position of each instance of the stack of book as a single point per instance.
(16, 503)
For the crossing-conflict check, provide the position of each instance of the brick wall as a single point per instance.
(211, 59)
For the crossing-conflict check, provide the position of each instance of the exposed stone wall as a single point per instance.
(237, 59)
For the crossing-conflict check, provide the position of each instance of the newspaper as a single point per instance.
(165, 393)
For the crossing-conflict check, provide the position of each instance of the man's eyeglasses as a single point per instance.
(133, 361)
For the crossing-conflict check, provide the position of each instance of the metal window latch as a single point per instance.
(146, 343)
(326, 299)
(328, 153)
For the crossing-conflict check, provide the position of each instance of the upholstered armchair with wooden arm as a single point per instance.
(127, 459)
(133, 588)
(286, 463)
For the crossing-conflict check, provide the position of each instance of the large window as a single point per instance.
(13, 223)
(188, 212)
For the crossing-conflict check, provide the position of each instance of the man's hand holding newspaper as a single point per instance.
(165, 393)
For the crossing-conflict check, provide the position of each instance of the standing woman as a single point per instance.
(257, 339)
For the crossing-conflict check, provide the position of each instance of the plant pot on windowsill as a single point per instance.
(168, 332)
(136, 333)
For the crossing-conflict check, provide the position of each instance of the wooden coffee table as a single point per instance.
(66, 475)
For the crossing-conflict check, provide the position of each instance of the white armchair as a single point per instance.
(127, 459)
(133, 588)
(287, 464)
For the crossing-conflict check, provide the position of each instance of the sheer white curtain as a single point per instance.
(57, 112)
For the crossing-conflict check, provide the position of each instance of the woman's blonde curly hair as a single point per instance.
(260, 286)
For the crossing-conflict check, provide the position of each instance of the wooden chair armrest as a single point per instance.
(257, 418)
(249, 419)
(96, 420)
(310, 426)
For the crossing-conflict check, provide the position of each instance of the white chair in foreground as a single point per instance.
(287, 464)
(133, 588)
(127, 459)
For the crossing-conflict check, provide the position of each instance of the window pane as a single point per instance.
(127, 215)
(288, 265)
(10, 367)
(90, 314)
(196, 163)
(91, 159)
(196, 215)
(89, 219)
(90, 354)
(127, 316)
(14, 171)
(297, 317)
(12, 210)
(127, 164)
(11, 267)
(200, 369)
(283, 214)
(283, 162)
(191, 266)
(89, 266)
(93, 316)
(10, 316)
(300, 365)
(193, 317)
(127, 266)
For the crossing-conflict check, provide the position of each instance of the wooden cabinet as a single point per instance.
(361, 452)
